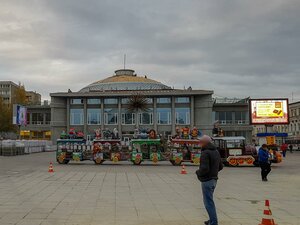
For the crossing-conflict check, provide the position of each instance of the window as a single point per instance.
(93, 116)
(128, 118)
(124, 100)
(28, 118)
(182, 115)
(93, 101)
(76, 101)
(48, 118)
(110, 116)
(37, 118)
(182, 100)
(76, 116)
(146, 118)
(163, 100)
(149, 100)
(163, 115)
(110, 101)
(224, 117)
(240, 117)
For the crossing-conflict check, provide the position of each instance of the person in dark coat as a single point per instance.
(210, 165)
(264, 161)
(291, 148)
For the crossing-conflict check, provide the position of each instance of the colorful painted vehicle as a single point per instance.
(73, 149)
(109, 150)
(234, 152)
(275, 154)
(185, 150)
(145, 149)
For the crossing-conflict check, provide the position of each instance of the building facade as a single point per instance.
(33, 98)
(104, 104)
(8, 91)
(38, 122)
(293, 129)
(232, 116)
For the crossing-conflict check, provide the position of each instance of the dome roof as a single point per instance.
(124, 79)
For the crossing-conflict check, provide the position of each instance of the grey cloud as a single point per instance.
(238, 48)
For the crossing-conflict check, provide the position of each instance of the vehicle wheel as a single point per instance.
(98, 161)
(137, 161)
(62, 160)
(174, 163)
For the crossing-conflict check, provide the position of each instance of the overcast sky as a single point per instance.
(236, 48)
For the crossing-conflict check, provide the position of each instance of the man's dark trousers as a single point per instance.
(265, 169)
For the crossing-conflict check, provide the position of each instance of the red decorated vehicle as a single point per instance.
(234, 152)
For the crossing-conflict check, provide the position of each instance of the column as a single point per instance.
(44, 118)
(102, 115)
(30, 119)
(173, 115)
(192, 119)
(119, 118)
(85, 117)
(155, 114)
(68, 115)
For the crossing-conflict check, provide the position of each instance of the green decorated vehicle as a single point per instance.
(145, 149)
(73, 149)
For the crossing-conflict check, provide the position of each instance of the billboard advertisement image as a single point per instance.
(19, 115)
(269, 111)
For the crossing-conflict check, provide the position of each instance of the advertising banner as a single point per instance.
(269, 111)
(19, 115)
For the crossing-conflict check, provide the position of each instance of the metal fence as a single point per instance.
(21, 147)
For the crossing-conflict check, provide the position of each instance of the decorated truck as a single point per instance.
(73, 150)
(185, 146)
(145, 146)
(107, 146)
(234, 152)
(185, 150)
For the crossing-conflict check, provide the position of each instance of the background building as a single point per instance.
(293, 129)
(38, 122)
(8, 91)
(233, 117)
(33, 98)
(104, 104)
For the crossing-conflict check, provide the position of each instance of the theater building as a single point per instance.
(104, 104)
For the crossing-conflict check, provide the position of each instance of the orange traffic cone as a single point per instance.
(51, 170)
(183, 171)
(268, 218)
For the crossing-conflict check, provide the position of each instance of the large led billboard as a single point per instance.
(269, 111)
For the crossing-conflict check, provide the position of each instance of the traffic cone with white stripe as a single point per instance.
(268, 218)
(51, 170)
(183, 171)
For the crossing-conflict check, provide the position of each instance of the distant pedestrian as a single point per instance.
(291, 148)
(210, 165)
(283, 149)
(264, 161)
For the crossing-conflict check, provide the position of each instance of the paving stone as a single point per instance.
(82, 193)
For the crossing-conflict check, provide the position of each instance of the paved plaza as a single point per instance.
(112, 194)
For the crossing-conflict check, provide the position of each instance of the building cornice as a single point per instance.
(171, 92)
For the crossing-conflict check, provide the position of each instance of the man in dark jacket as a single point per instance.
(264, 161)
(210, 165)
